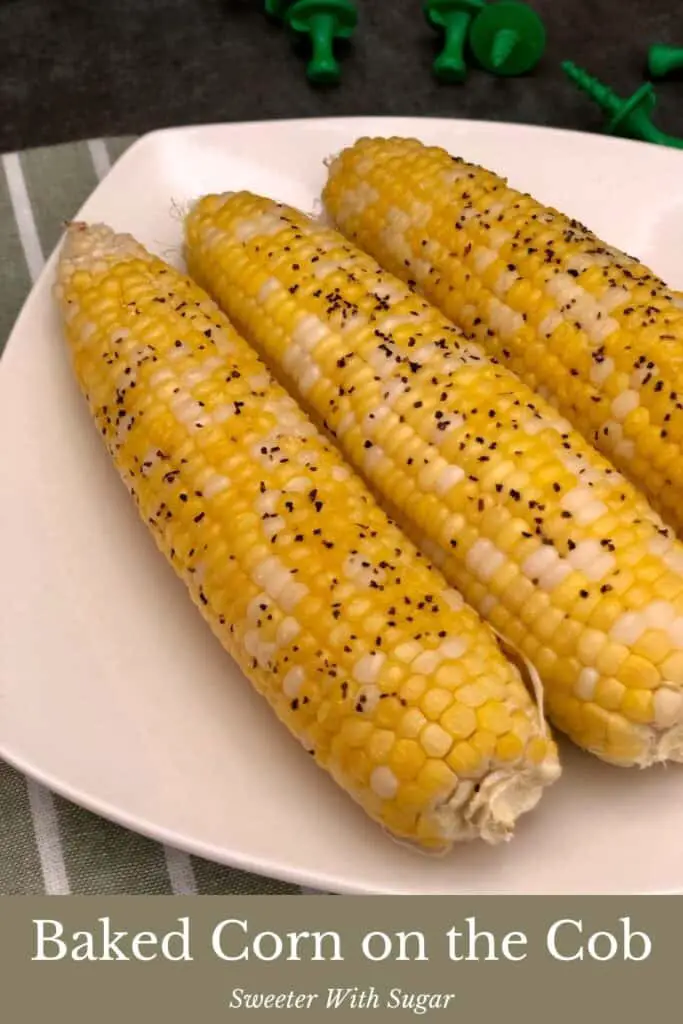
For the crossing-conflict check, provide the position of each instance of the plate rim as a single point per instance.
(222, 855)
(143, 141)
(196, 848)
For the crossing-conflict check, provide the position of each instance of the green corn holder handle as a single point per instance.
(629, 118)
(453, 17)
(277, 8)
(507, 38)
(322, 21)
(663, 60)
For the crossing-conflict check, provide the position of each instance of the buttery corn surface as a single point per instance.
(590, 328)
(562, 556)
(368, 657)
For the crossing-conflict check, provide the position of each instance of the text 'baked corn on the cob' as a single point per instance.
(368, 657)
(562, 556)
(586, 326)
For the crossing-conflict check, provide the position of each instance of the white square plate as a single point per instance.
(112, 690)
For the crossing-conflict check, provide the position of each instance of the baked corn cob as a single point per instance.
(545, 539)
(363, 651)
(591, 329)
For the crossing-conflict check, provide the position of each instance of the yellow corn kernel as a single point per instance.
(464, 759)
(406, 759)
(611, 694)
(638, 705)
(380, 745)
(509, 747)
(434, 702)
(459, 721)
(484, 742)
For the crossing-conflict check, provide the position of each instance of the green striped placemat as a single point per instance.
(47, 845)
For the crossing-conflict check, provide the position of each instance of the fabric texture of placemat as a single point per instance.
(48, 845)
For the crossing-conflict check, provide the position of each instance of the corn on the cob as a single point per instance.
(563, 557)
(368, 657)
(589, 328)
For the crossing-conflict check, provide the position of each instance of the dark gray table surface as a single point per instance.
(81, 68)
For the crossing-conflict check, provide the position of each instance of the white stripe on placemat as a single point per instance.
(43, 811)
(23, 214)
(48, 840)
(180, 872)
(99, 156)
